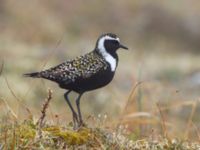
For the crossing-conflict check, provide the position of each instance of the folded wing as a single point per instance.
(82, 67)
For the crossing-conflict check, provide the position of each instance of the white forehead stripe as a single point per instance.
(109, 38)
(109, 58)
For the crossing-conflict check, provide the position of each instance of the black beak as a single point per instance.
(122, 46)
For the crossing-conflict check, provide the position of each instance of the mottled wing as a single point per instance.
(79, 68)
(91, 64)
(58, 73)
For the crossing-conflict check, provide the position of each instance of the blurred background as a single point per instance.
(163, 38)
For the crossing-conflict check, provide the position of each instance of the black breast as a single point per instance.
(96, 81)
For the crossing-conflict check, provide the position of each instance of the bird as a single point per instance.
(85, 73)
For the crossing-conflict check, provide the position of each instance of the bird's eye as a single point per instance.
(115, 42)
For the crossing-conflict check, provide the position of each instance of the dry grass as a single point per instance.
(153, 101)
(97, 134)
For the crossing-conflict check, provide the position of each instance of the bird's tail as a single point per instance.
(33, 75)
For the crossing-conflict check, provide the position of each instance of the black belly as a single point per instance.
(87, 84)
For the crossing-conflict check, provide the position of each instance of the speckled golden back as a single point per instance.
(81, 67)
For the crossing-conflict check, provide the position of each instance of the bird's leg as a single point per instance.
(74, 114)
(79, 111)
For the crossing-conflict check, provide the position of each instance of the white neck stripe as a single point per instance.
(108, 57)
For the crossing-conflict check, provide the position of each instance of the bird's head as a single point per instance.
(109, 43)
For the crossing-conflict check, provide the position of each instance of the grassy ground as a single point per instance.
(41, 134)
(153, 101)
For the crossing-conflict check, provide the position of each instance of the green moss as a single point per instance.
(26, 130)
(28, 135)
(80, 137)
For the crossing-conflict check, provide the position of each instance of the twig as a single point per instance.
(16, 97)
(128, 101)
(164, 129)
(9, 108)
(197, 130)
(176, 105)
(10, 89)
(190, 119)
(40, 122)
(130, 96)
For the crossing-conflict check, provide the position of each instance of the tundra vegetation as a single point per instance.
(153, 101)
